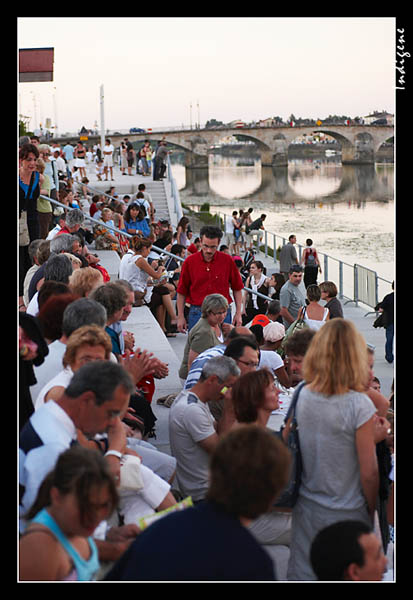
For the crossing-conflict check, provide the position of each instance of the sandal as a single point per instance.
(166, 400)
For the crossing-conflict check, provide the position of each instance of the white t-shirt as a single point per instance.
(270, 359)
(190, 422)
(62, 379)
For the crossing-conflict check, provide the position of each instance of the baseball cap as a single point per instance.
(262, 320)
(274, 331)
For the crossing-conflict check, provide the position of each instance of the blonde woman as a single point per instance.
(336, 421)
(83, 281)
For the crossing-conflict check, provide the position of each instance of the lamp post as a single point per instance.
(102, 119)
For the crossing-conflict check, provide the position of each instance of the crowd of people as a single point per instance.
(88, 472)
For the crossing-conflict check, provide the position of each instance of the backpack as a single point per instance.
(310, 260)
(141, 205)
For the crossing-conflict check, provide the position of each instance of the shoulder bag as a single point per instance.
(289, 495)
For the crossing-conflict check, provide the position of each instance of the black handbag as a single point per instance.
(381, 320)
(289, 495)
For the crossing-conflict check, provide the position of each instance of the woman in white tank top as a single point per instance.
(314, 315)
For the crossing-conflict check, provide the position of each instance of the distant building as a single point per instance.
(270, 122)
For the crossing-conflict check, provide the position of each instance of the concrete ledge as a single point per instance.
(149, 336)
(110, 260)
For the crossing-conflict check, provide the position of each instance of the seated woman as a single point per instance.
(207, 332)
(254, 397)
(86, 343)
(257, 280)
(315, 315)
(117, 213)
(329, 293)
(57, 544)
(105, 238)
(83, 281)
(135, 222)
(114, 299)
(147, 281)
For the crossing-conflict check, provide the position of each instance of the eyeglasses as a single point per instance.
(253, 365)
(209, 247)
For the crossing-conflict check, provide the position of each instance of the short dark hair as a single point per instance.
(336, 547)
(177, 248)
(111, 296)
(298, 343)
(26, 149)
(313, 292)
(236, 347)
(210, 232)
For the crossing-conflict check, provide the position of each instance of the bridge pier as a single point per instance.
(196, 161)
(360, 152)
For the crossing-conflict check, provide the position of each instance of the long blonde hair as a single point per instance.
(336, 360)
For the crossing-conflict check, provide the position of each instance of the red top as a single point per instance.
(192, 248)
(307, 252)
(64, 229)
(200, 278)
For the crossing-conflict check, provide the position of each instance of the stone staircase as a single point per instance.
(157, 191)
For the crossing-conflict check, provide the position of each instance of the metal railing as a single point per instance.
(355, 283)
(174, 191)
(128, 235)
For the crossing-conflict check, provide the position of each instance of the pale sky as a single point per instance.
(247, 68)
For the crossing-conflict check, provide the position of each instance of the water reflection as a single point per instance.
(347, 210)
(302, 180)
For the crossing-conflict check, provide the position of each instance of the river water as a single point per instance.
(348, 211)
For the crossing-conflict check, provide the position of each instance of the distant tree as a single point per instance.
(213, 123)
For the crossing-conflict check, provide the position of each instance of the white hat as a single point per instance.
(274, 331)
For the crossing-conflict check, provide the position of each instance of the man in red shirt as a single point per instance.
(208, 272)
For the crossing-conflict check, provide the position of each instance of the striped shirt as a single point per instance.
(197, 365)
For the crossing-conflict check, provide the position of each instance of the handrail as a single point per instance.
(111, 227)
(354, 297)
(115, 229)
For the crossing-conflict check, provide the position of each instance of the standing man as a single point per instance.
(208, 272)
(68, 154)
(160, 156)
(288, 256)
(291, 296)
(108, 159)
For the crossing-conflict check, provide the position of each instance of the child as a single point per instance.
(99, 169)
(72, 500)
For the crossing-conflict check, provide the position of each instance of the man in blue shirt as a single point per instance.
(68, 153)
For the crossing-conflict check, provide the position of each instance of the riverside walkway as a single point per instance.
(149, 336)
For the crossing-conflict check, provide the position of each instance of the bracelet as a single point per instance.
(114, 453)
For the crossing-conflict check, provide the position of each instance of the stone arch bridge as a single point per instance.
(359, 143)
